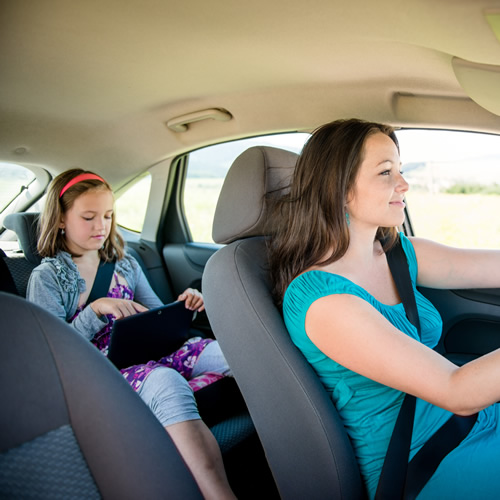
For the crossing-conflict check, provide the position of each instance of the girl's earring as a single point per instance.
(347, 218)
(62, 232)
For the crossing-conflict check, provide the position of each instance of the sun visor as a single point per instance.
(481, 82)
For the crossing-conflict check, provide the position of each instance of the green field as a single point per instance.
(467, 221)
(200, 200)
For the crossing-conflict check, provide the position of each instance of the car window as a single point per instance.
(454, 179)
(207, 169)
(15, 179)
(131, 204)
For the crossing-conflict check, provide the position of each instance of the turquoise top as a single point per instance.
(368, 409)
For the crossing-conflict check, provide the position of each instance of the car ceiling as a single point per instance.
(93, 83)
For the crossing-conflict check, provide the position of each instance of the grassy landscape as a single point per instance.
(200, 200)
(467, 221)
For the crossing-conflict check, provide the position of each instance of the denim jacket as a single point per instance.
(56, 285)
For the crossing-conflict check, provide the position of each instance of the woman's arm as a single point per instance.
(353, 333)
(440, 266)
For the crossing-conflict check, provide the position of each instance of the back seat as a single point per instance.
(222, 408)
(15, 271)
(20, 263)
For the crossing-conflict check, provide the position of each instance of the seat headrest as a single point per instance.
(258, 174)
(25, 225)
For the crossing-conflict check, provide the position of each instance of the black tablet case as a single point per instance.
(149, 335)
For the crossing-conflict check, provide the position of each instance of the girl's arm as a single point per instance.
(440, 266)
(45, 290)
(143, 292)
(353, 333)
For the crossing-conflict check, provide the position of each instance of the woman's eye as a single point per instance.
(88, 218)
(108, 217)
(385, 172)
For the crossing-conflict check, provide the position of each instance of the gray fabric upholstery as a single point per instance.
(52, 379)
(308, 450)
(16, 269)
(242, 209)
(55, 457)
(25, 225)
(235, 434)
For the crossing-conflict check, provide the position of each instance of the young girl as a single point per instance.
(343, 311)
(77, 232)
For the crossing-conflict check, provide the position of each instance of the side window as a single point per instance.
(207, 169)
(131, 204)
(454, 179)
(15, 178)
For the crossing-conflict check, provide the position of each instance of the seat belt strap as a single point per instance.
(427, 460)
(400, 271)
(393, 476)
(391, 483)
(102, 281)
(405, 480)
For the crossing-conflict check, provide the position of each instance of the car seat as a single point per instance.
(220, 404)
(25, 224)
(307, 448)
(71, 427)
(16, 267)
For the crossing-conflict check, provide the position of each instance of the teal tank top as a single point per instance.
(368, 409)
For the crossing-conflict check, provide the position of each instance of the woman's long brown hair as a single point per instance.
(310, 221)
(50, 239)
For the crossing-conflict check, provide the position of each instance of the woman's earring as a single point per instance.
(347, 218)
(62, 232)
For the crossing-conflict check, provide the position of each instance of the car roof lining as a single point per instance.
(103, 76)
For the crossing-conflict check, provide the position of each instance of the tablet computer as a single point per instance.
(149, 335)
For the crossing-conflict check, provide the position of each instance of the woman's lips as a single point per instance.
(398, 203)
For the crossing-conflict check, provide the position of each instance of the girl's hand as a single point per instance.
(193, 299)
(119, 308)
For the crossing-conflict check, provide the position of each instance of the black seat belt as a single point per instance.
(398, 479)
(393, 476)
(102, 281)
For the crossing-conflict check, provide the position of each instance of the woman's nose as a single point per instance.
(402, 185)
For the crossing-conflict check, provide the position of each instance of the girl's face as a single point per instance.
(88, 222)
(379, 190)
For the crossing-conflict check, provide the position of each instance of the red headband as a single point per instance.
(80, 178)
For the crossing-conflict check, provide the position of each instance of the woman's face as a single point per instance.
(377, 197)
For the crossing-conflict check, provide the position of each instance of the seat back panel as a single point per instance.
(305, 442)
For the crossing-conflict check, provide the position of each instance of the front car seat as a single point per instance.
(307, 448)
(70, 425)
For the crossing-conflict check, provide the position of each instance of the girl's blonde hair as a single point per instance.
(51, 240)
